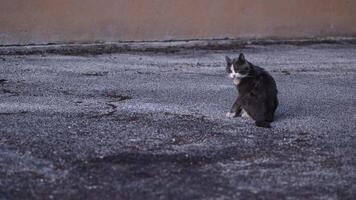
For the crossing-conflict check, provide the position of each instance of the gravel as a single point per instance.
(152, 126)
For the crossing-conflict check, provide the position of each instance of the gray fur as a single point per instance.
(257, 91)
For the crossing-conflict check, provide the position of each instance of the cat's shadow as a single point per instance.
(286, 112)
(281, 116)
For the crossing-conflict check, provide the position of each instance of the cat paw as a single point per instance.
(245, 114)
(231, 114)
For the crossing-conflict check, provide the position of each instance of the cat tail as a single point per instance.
(263, 124)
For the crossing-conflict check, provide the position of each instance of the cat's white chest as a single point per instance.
(236, 81)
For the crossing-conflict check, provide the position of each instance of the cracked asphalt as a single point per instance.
(153, 126)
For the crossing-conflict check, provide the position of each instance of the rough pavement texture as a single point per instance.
(153, 126)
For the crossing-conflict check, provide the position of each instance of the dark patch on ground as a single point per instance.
(162, 47)
(13, 113)
(10, 92)
(95, 73)
(116, 97)
(224, 164)
(112, 110)
(286, 72)
(147, 73)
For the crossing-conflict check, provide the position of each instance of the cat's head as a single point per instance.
(237, 68)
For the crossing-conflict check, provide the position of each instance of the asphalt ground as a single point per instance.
(152, 126)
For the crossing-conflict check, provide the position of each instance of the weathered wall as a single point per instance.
(62, 21)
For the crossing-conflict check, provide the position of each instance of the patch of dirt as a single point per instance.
(11, 93)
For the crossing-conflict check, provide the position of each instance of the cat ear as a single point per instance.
(228, 60)
(242, 58)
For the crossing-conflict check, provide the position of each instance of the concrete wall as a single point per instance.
(62, 21)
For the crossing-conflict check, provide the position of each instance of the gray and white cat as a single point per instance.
(257, 91)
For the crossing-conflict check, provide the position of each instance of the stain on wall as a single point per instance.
(81, 21)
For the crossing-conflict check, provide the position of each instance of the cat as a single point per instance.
(257, 90)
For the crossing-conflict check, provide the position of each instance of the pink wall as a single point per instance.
(62, 21)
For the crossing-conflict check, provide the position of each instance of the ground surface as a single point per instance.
(153, 126)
